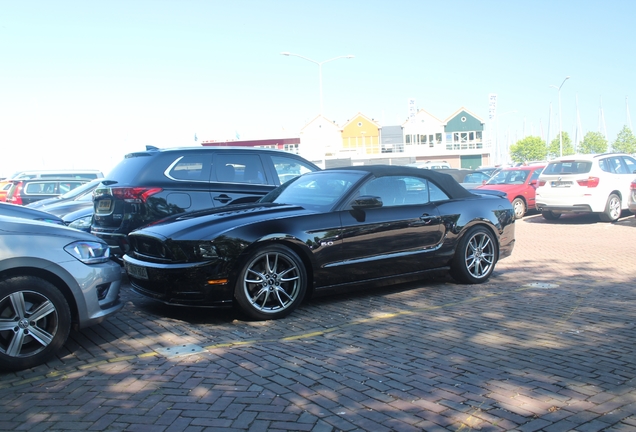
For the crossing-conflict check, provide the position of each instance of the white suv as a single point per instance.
(586, 184)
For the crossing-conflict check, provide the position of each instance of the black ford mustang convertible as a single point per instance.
(322, 232)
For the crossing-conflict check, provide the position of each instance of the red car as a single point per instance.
(519, 183)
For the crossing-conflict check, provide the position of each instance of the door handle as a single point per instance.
(222, 198)
(427, 219)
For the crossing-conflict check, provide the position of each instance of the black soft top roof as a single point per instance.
(446, 182)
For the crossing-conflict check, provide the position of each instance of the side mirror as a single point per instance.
(366, 202)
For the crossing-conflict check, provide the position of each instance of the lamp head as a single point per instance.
(285, 53)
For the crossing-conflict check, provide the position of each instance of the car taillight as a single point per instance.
(590, 182)
(16, 197)
(541, 182)
(135, 194)
(632, 186)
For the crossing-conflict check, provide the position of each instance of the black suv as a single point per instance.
(153, 184)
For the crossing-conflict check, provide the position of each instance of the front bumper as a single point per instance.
(189, 284)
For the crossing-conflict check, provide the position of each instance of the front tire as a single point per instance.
(35, 321)
(612, 209)
(271, 284)
(475, 257)
(519, 207)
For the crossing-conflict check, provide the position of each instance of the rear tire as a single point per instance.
(475, 256)
(550, 215)
(612, 209)
(35, 321)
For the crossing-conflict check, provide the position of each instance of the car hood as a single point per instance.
(13, 225)
(213, 222)
(63, 208)
(77, 214)
(44, 202)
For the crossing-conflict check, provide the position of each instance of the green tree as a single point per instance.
(531, 148)
(593, 143)
(555, 146)
(625, 141)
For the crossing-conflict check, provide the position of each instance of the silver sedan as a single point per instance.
(52, 278)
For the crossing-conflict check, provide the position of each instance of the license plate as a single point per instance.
(136, 271)
(103, 205)
(561, 184)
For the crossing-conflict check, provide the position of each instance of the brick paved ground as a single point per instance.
(546, 345)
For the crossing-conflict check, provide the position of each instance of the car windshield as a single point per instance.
(568, 167)
(80, 190)
(509, 177)
(315, 191)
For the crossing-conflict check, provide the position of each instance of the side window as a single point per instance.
(34, 188)
(631, 164)
(616, 165)
(395, 191)
(435, 193)
(604, 164)
(536, 174)
(190, 168)
(289, 168)
(239, 168)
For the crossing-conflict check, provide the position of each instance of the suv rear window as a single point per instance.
(568, 167)
(129, 168)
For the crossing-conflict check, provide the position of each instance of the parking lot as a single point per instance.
(547, 344)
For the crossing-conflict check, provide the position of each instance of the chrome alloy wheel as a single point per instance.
(28, 323)
(272, 282)
(480, 255)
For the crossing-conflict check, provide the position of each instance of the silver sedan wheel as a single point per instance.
(28, 323)
(273, 283)
(35, 321)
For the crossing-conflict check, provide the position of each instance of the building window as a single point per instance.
(291, 148)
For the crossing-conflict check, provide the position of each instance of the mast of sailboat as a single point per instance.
(602, 128)
(547, 140)
(629, 119)
(579, 130)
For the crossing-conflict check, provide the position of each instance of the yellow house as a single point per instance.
(361, 136)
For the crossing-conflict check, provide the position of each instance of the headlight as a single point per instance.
(89, 252)
(82, 224)
(207, 250)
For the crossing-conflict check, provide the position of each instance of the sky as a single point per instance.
(82, 83)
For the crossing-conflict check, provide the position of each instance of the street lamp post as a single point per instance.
(319, 69)
(560, 119)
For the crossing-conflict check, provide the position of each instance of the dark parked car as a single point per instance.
(150, 185)
(71, 200)
(322, 232)
(28, 191)
(19, 211)
(52, 278)
(468, 178)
